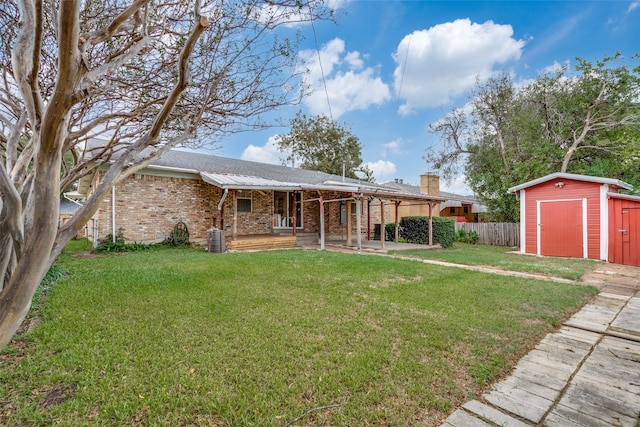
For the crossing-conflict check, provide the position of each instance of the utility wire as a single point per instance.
(324, 81)
(404, 67)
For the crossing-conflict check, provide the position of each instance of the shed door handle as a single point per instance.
(623, 231)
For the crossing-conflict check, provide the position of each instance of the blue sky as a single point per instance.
(393, 67)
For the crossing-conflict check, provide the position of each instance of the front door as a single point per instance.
(560, 228)
(286, 207)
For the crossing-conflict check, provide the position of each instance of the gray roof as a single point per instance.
(68, 207)
(224, 165)
(230, 173)
(242, 174)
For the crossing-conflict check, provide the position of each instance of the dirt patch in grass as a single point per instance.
(57, 395)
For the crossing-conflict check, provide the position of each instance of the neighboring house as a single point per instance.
(244, 199)
(462, 208)
(579, 216)
(67, 209)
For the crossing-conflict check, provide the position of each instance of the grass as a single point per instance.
(183, 337)
(507, 259)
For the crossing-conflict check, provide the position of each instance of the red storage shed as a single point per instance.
(569, 215)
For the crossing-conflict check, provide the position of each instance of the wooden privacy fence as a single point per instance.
(493, 233)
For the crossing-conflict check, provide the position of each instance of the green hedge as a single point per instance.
(415, 229)
(390, 232)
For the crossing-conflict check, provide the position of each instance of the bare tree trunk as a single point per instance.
(43, 206)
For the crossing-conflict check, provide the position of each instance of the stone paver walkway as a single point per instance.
(585, 374)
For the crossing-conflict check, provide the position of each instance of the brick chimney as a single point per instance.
(430, 184)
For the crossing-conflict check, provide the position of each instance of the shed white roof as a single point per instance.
(560, 175)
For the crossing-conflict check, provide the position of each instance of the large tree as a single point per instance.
(141, 77)
(582, 123)
(322, 144)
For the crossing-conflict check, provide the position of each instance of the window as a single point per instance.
(244, 201)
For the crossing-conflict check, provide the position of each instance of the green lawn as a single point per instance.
(507, 259)
(183, 337)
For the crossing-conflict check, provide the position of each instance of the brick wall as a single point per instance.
(148, 207)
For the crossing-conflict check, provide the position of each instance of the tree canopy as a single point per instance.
(119, 83)
(586, 123)
(322, 144)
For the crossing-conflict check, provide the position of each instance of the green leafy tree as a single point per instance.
(89, 84)
(319, 143)
(584, 123)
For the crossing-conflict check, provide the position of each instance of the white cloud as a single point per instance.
(392, 146)
(381, 169)
(633, 6)
(555, 67)
(268, 153)
(457, 185)
(444, 61)
(349, 84)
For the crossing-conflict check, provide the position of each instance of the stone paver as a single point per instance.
(587, 373)
(492, 415)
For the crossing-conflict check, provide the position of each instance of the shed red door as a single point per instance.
(561, 228)
(628, 238)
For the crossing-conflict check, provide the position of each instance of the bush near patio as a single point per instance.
(415, 229)
(184, 337)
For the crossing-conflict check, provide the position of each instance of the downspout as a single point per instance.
(224, 196)
(113, 213)
(221, 208)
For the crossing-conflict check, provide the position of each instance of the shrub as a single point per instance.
(179, 236)
(467, 237)
(390, 232)
(108, 244)
(415, 229)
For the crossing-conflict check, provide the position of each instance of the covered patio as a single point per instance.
(347, 193)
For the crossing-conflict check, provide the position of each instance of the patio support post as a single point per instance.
(397, 203)
(359, 222)
(383, 231)
(113, 213)
(349, 242)
(234, 228)
(321, 221)
(368, 219)
(430, 224)
(293, 207)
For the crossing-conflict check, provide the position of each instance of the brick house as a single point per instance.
(248, 200)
